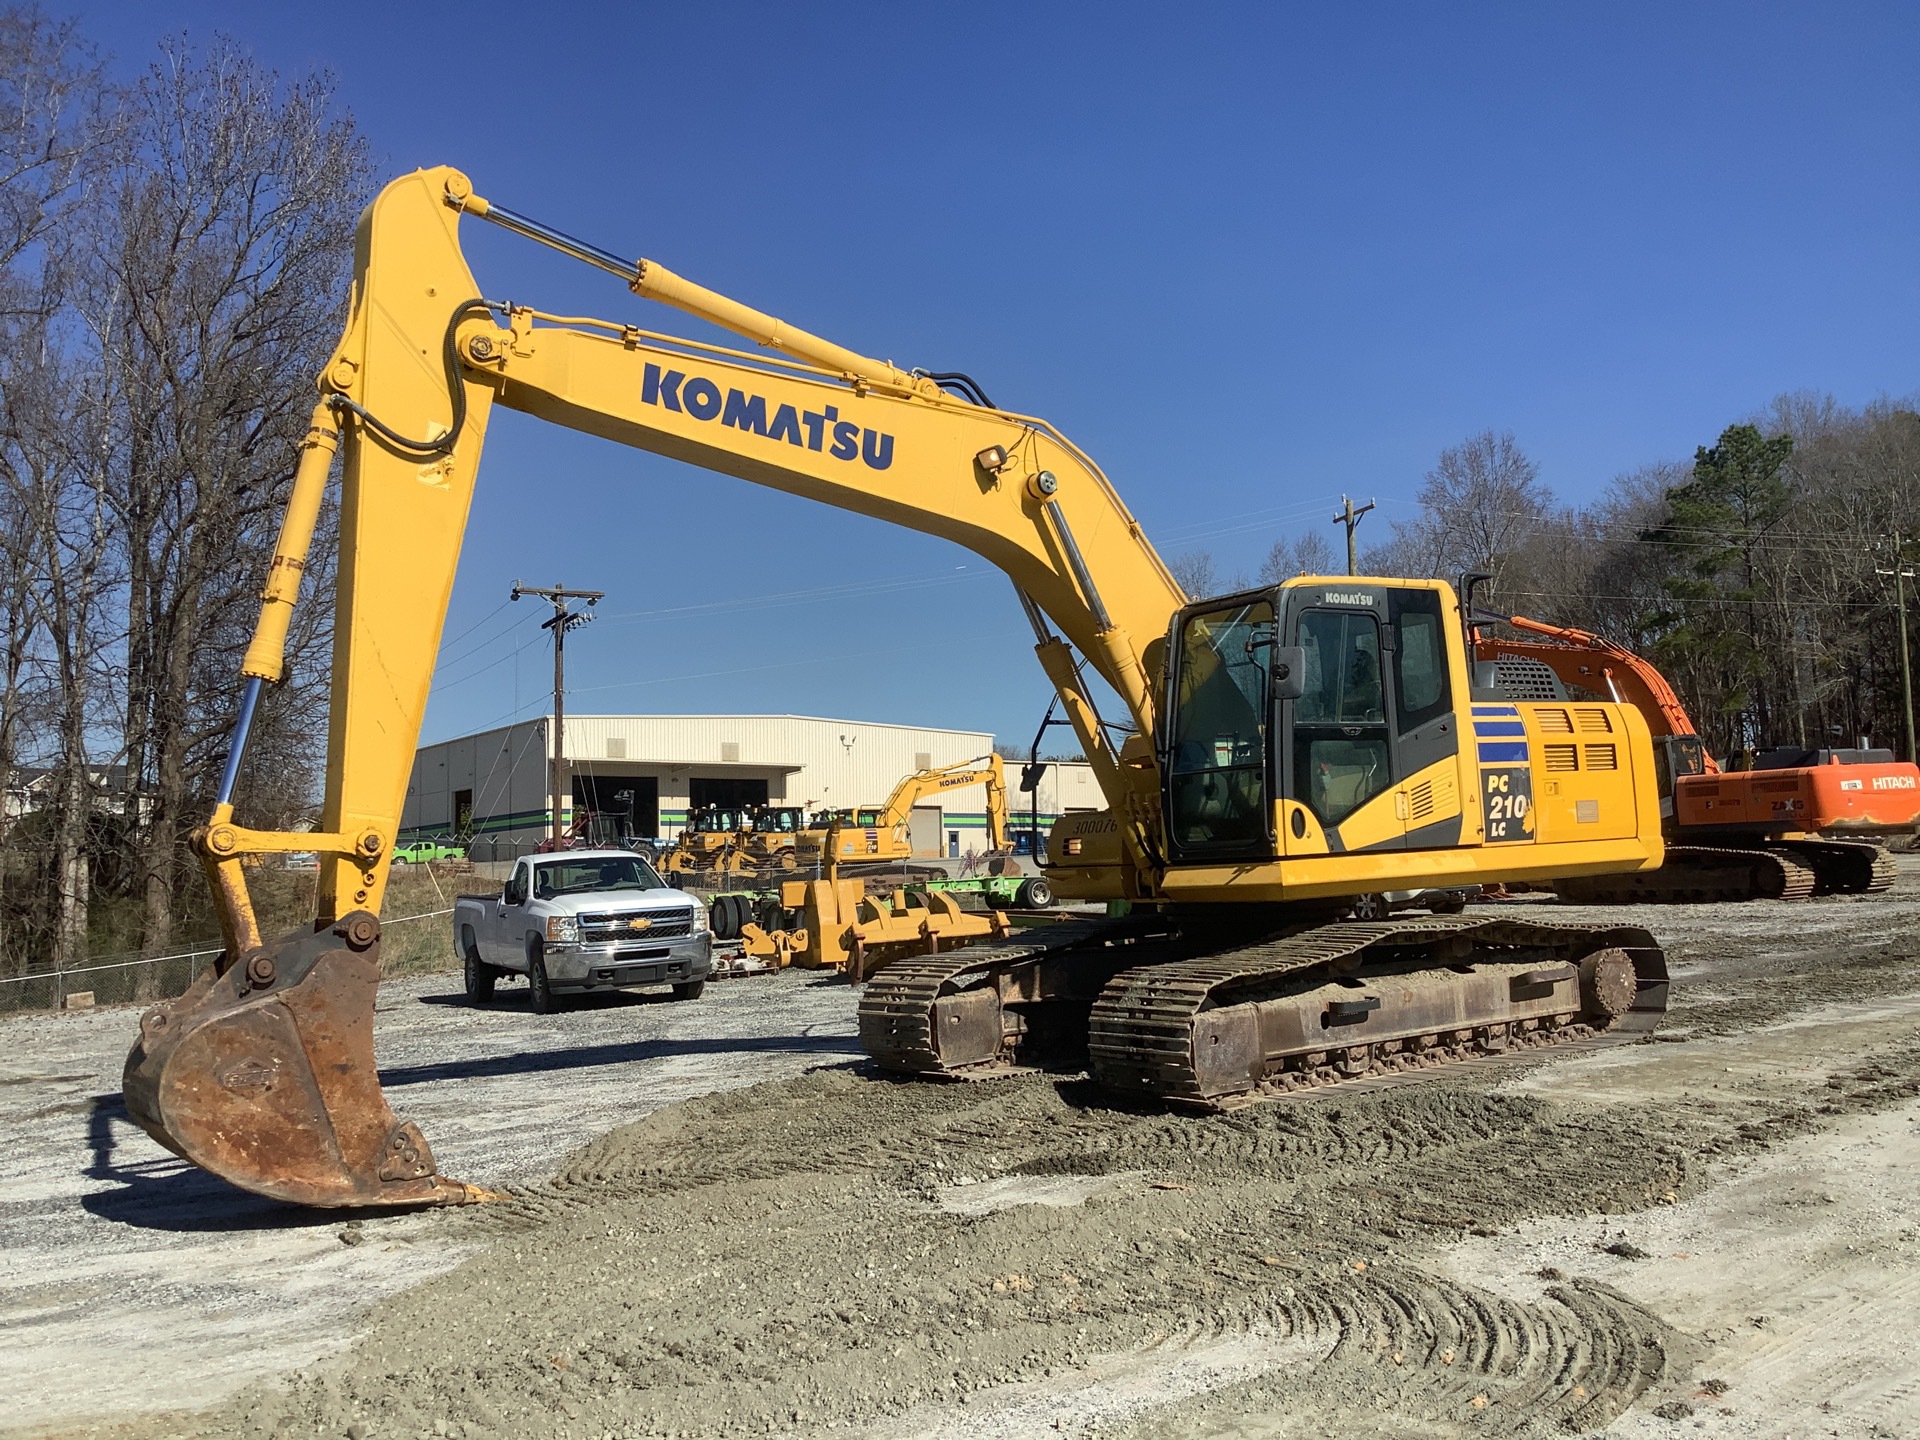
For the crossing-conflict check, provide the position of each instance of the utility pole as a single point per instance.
(1350, 518)
(1902, 572)
(563, 620)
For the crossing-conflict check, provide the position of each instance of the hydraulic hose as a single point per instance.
(428, 449)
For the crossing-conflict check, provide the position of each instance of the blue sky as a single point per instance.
(1250, 257)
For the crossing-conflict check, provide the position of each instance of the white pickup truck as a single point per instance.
(583, 920)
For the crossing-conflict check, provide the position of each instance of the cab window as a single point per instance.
(1420, 661)
(1341, 756)
(1219, 741)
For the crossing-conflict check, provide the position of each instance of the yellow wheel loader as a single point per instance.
(1276, 752)
(770, 844)
(710, 844)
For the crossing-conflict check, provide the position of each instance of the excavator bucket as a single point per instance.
(263, 1074)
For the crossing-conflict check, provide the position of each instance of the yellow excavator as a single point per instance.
(1276, 751)
(880, 836)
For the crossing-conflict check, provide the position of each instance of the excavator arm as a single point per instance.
(1592, 662)
(264, 1073)
(987, 771)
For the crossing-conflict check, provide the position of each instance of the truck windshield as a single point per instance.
(572, 877)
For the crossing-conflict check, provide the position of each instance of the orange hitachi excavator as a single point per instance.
(1798, 823)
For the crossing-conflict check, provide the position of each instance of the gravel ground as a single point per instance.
(1713, 1234)
(134, 1280)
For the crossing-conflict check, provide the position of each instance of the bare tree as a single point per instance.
(52, 478)
(1308, 553)
(221, 246)
(1196, 572)
(1478, 507)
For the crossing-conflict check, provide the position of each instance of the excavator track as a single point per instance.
(943, 1015)
(1351, 1002)
(1842, 867)
(1697, 874)
(1397, 996)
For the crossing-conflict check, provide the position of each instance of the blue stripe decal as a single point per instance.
(1497, 752)
(1499, 727)
(1482, 710)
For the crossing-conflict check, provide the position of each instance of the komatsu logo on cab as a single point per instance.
(1346, 597)
(821, 429)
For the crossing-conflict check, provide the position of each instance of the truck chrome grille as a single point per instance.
(614, 929)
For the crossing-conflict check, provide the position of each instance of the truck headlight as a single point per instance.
(702, 920)
(563, 929)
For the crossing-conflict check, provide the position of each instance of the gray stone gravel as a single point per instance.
(134, 1281)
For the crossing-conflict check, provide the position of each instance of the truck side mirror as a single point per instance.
(1289, 672)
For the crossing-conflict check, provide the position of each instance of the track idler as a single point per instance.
(263, 1074)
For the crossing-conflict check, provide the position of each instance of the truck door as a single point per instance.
(504, 920)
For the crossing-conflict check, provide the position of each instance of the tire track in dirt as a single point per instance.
(790, 1258)
(773, 1259)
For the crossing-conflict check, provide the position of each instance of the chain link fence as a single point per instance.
(409, 946)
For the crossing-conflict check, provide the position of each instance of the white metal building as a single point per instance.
(652, 770)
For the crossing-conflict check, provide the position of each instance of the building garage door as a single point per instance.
(730, 793)
(924, 832)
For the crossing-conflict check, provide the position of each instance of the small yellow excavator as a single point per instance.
(1276, 751)
(881, 836)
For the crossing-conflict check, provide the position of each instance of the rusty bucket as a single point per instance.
(263, 1074)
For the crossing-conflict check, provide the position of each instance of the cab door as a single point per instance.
(1341, 744)
(1426, 731)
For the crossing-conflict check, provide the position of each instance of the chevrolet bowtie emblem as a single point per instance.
(640, 923)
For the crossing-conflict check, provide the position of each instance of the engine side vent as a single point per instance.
(1553, 722)
(1563, 757)
(1602, 757)
(1594, 721)
(1524, 678)
(1420, 801)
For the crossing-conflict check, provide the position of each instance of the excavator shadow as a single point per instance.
(581, 1057)
(160, 1192)
(165, 1193)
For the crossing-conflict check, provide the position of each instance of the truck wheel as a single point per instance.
(1369, 907)
(539, 992)
(646, 853)
(689, 990)
(480, 975)
(1034, 894)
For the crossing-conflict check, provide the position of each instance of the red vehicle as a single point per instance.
(1795, 823)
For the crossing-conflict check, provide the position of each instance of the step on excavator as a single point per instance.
(1275, 751)
(1797, 823)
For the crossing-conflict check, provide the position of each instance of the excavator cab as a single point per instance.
(1295, 711)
